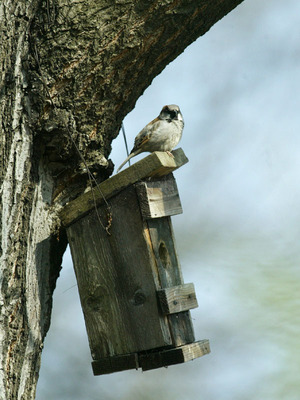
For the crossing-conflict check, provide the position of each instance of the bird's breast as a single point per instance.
(165, 135)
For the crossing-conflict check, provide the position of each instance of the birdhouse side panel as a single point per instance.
(170, 275)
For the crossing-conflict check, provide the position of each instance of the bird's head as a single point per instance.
(170, 113)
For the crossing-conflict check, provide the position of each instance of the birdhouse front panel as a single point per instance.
(115, 280)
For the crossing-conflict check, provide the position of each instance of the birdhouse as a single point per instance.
(135, 303)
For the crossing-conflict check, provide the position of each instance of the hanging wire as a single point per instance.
(125, 140)
(90, 175)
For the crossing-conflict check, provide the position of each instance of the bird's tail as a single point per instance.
(127, 159)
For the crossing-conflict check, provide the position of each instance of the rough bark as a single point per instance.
(70, 71)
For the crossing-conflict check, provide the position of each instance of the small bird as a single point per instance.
(161, 134)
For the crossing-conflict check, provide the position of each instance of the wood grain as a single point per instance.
(153, 359)
(115, 281)
(177, 299)
(155, 165)
(177, 355)
(169, 275)
(159, 198)
(130, 282)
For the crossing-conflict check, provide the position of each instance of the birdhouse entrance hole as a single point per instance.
(164, 255)
(135, 303)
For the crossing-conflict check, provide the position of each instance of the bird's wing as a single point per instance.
(141, 139)
(144, 136)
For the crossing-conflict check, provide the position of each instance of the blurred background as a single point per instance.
(239, 237)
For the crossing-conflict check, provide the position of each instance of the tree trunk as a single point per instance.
(70, 72)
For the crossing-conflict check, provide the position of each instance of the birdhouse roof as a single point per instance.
(157, 164)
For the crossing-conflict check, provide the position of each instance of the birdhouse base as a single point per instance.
(151, 359)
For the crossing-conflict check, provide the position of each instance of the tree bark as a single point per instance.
(70, 72)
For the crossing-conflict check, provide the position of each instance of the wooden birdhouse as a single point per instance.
(135, 303)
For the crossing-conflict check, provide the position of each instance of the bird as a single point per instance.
(161, 134)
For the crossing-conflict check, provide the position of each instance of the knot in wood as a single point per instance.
(139, 298)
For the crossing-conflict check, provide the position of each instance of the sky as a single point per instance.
(238, 88)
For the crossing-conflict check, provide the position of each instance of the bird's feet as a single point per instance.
(170, 154)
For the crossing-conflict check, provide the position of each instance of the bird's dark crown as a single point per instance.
(170, 112)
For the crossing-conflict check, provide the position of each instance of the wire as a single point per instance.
(125, 140)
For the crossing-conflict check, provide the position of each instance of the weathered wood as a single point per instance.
(178, 298)
(115, 364)
(155, 165)
(152, 359)
(169, 275)
(122, 276)
(177, 355)
(115, 281)
(159, 198)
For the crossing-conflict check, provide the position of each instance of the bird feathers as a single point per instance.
(161, 134)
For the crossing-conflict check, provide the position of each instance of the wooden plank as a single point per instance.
(115, 281)
(152, 359)
(159, 198)
(163, 245)
(155, 165)
(115, 364)
(177, 299)
(178, 355)
(169, 275)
